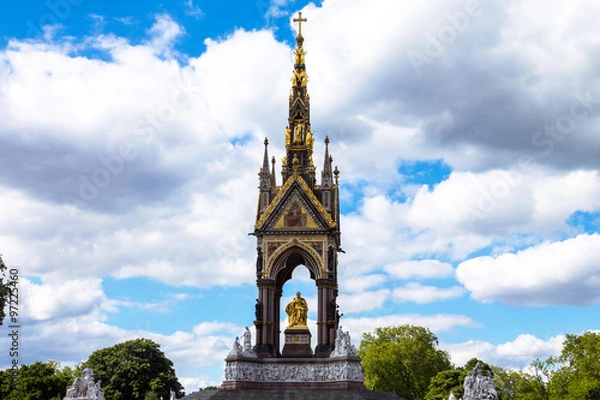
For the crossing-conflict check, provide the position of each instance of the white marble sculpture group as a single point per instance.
(85, 388)
(478, 386)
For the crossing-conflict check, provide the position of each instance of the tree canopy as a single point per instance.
(578, 373)
(38, 381)
(4, 290)
(402, 360)
(134, 370)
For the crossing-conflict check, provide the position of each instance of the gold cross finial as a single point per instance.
(300, 20)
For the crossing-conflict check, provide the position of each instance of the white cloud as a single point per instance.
(552, 273)
(204, 328)
(436, 323)
(418, 293)
(277, 8)
(352, 284)
(193, 10)
(164, 33)
(421, 269)
(516, 354)
(70, 298)
(365, 301)
(528, 347)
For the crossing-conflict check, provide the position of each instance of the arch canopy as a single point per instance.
(289, 259)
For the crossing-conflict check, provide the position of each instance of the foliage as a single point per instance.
(38, 381)
(402, 359)
(516, 385)
(209, 389)
(151, 395)
(133, 369)
(4, 291)
(452, 380)
(445, 382)
(578, 373)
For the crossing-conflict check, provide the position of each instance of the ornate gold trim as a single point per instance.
(330, 222)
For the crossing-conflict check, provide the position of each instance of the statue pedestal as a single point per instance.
(297, 343)
(335, 373)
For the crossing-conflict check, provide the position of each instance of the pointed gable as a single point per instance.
(295, 207)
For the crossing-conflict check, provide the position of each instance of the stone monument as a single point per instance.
(478, 386)
(297, 226)
(297, 334)
(85, 388)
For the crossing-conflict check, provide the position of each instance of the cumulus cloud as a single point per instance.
(67, 299)
(551, 273)
(514, 354)
(365, 301)
(436, 323)
(420, 269)
(164, 32)
(422, 294)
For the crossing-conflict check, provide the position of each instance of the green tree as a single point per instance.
(577, 375)
(133, 369)
(4, 290)
(38, 381)
(402, 359)
(515, 385)
(445, 382)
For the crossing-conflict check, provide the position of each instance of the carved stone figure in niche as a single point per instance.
(297, 311)
(300, 78)
(298, 57)
(259, 262)
(298, 134)
(258, 310)
(288, 135)
(331, 310)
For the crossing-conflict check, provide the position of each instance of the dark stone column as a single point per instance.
(265, 322)
(325, 318)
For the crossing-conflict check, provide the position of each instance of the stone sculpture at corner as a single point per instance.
(343, 345)
(242, 351)
(478, 386)
(85, 388)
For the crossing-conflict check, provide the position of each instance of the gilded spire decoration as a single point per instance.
(300, 20)
(298, 134)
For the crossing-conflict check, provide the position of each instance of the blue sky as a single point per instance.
(465, 133)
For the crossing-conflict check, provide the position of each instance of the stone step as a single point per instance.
(295, 394)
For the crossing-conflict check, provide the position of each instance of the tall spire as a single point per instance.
(264, 174)
(298, 134)
(326, 175)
